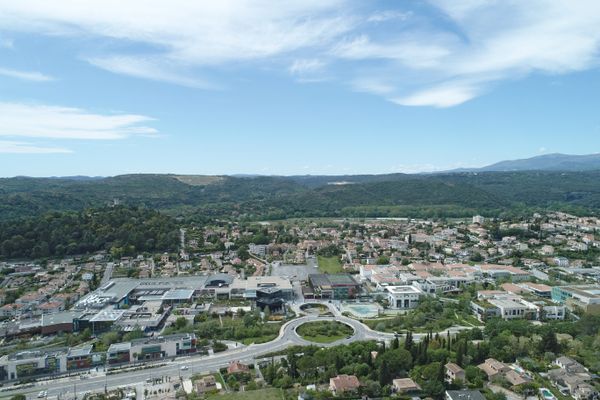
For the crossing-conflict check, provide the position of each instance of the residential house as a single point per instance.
(236, 367)
(493, 368)
(343, 384)
(405, 385)
(454, 373)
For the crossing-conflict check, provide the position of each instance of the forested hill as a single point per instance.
(453, 194)
(120, 230)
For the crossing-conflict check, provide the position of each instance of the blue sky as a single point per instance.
(105, 87)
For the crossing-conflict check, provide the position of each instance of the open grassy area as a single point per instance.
(259, 339)
(330, 265)
(324, 331)
(469, 320)
(198, 180)
(263, 394)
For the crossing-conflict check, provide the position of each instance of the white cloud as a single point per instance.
(25, 75)
(490, 41)
(447, 95)
(184, 34)
(414, 59)
(405, 50)
(306, 66)
(9, 147)
(506, 40)
(373, 85)
(148, 68)
(43, 121)
(388, 15)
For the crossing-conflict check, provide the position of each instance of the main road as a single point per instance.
(66, 387)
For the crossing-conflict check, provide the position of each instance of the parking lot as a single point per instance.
(293, 272)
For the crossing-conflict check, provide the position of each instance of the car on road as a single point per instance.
(42, 394)
(184, 368)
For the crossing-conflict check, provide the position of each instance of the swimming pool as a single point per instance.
(363, 310)
(547, 394)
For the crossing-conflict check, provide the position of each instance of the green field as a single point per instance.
(259, 339)
(330, 265)
(263, 394)
(324, 331)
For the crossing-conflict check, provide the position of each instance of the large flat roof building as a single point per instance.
(586, 297)
(334, 286)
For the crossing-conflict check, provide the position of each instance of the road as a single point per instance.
(107, 273)
(204, 364)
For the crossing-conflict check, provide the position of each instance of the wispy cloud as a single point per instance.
(54, 122)
(25, 75)
(405, 50)
(185, 34)
(411, 57)
(306, 66)
(149, 68)
(445, 95)
(388, 15)
(8, 147)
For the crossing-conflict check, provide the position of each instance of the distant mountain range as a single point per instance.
(546, 162)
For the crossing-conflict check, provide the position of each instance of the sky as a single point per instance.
(108, 87)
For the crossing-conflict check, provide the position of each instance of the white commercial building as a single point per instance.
(404, 297)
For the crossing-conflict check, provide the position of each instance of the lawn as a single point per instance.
(263, 394)
(469, 320)
(324, 331)
(329, 265)
(260, 339)
(246, 329)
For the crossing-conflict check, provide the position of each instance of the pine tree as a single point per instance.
(460, 353)
(408, 342)
(441, 373)
(383, 373)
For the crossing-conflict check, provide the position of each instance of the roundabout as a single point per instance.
(289, 335)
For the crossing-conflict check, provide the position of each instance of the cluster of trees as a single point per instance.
(332, 329)
(510, 340)
(120, 230)
(243, 326)
(430, 315)
(329, 251)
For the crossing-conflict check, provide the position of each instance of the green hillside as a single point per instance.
(205, 197)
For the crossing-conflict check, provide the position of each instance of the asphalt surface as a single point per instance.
(67, 387)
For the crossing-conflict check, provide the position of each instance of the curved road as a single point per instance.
(65, 387)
